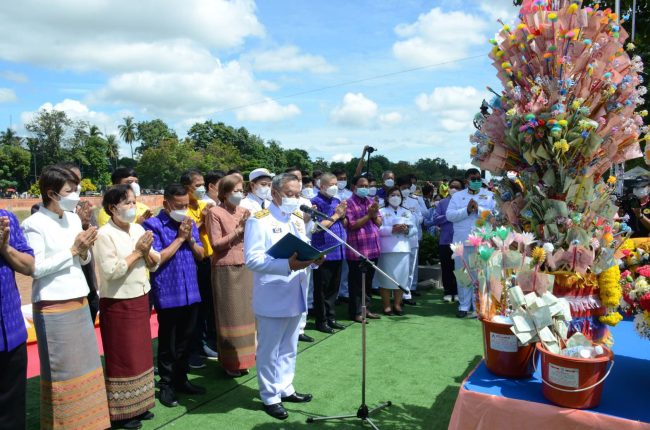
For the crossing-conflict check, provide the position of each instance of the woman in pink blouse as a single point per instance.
(232, 282)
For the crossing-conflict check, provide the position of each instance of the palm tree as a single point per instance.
(9, 137)
(93, 131)
(112, 148)
(127, 132)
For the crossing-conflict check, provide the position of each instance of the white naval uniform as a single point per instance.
(395, 248)
(309, 226)
(254, 203)
(279, 298)
(411, 203)
(463, 226)
(343, 195)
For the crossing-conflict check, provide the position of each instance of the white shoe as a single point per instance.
(448, 298)
(455, 298)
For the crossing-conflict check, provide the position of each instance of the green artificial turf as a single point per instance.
(416, 361)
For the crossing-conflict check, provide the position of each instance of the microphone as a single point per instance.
(316, 214)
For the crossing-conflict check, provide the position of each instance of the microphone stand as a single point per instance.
(363, 413)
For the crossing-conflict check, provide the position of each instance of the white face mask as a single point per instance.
(136, 189)
(394, 201)
(127, 215)
(235, 198)
(308, 193)
(199, 193)
(405, 192)
(263, 193)
(341, 184)
(331, 191)
(389, 182)
(178, 215)
(289, 204)
(69, 203)
(452, 191)
(413, 188)
(372, 191)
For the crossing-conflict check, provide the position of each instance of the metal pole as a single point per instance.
(633, 19)
(617, 9)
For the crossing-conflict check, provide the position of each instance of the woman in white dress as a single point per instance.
(394, 235)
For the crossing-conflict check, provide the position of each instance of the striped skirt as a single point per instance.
(126, 335)
(232, 292)
(73, 394)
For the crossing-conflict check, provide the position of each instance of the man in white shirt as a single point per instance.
(411, 203)
(259, 196)
(465, 207)
(279, 295)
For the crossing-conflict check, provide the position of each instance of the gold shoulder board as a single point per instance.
(262, 213)
(298, 214)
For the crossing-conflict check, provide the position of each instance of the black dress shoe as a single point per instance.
(297, 398)
(130, 424)
(146, 416)
(461, 314)
(336, 325)
(410, 302)
(304, 338)
(325, 328)
(167, 397)
(399, 312)
(277, 411)
(188, 388)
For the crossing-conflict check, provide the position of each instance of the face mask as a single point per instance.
(641, 192)
(361, 192)
(394, 201)
(127, 215)
(452, 191)
(372, 191)
(199, 193)
(341, 184)
(331, 191)
(235, 198)
(69, 203)
(405, 192)
(511, 175)
(136, 188)
(413, 188)
(289, 205)
(389, 183)
(308, 193)
(263, 193)
(317, 183)
(79, 188)
(178, 215)
(475, 185)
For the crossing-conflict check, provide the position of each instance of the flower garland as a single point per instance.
(610, 295)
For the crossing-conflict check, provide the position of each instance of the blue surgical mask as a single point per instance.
(475, 185)
(362, 192)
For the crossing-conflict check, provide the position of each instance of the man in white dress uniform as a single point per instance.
(279, 294)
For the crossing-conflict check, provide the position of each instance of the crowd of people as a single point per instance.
(201, 262)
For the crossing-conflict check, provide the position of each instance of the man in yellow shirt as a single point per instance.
(204, 344)
(127, 176)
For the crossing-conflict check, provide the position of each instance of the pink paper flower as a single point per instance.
(457, 249)
(474, 240)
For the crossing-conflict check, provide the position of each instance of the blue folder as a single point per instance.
(290, 243)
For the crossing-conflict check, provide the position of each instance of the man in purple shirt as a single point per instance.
(363, 222)
(175, 291)
(328, 276)
(446, 238)
(15, 256)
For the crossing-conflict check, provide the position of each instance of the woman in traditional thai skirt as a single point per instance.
(232, 282)
(123, 254)
(73, 394)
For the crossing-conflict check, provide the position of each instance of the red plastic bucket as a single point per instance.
(503, 355)
(574, 382)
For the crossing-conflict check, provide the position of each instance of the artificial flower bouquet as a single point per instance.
(636, 299)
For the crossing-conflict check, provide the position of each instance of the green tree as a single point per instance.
(14, 167)
(164, 164)
(298, 158)
(321, 164)
(219, 155)
(51, 130)
(128, 131)
(112, 149)
(152, 133)
(9, 137)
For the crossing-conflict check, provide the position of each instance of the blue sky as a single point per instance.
(262, 65)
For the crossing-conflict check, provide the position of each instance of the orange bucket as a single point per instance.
(503, 354)
(574, 382)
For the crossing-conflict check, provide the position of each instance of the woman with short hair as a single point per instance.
(73, 393)
(123, 254)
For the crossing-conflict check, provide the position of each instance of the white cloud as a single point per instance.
(356, 111)
(390, 118)
(19, 78)
(225, 87)
(438, 36)
(122, 35)
(342, 157)
(289, 59)
(499, 9)
(453, 107)
(7, 95)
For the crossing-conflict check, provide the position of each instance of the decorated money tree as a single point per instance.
(566, 114)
